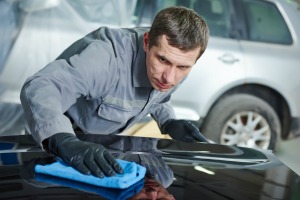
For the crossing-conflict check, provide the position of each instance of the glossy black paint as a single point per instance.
(201, 171)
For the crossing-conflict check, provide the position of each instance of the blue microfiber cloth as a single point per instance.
(108, 193)
(132, 173)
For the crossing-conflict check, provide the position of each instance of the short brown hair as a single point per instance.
(184, 29)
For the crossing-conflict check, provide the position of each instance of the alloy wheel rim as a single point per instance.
(247, 129)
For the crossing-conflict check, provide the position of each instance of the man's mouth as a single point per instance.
(162, 85)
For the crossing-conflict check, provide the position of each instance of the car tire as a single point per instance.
(243, 120)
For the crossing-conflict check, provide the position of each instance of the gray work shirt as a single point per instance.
(100, 82)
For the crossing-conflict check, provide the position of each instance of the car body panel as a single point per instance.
(208, 171)
(258, 69)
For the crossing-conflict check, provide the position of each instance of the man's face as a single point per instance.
(167, 65)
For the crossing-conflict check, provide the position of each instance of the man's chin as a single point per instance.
(162, 89)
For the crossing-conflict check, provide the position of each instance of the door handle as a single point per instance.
(228, 59)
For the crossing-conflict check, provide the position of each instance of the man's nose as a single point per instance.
(169, 75)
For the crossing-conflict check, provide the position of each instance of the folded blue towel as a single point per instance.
(107, 193)
(132, 173)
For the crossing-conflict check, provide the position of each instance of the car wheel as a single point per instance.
(243, 120)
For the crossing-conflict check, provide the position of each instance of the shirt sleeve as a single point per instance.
(48, 94)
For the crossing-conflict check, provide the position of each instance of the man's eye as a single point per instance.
(162, 59)
(183, 67)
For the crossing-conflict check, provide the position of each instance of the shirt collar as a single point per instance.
(140, 77)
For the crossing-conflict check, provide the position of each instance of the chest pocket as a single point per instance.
(114, 113)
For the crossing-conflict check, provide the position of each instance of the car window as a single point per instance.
(265, 23)
(217, 13)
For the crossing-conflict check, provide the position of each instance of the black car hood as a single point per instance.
(188, 171)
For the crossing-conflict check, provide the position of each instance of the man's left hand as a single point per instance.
(182, 130)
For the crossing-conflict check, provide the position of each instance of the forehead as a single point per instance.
(174, 54)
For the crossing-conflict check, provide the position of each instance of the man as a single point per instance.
(107, 81)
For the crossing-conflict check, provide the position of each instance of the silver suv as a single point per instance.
(243, 91)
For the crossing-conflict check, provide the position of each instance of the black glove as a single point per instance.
(182, 130)
(86, 157)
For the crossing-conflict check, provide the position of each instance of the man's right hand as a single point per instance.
(86, 157)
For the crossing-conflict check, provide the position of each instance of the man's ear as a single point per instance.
(146, 41)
